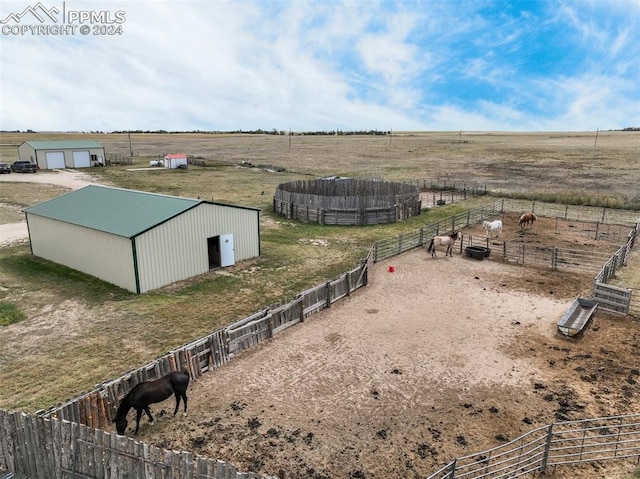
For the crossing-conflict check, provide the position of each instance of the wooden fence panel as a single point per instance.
(248, 334)
(315, 299)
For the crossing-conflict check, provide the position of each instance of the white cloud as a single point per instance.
(312, 65)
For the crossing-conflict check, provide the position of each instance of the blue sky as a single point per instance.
(445, 65)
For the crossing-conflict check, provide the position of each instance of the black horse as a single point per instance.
(149, 392)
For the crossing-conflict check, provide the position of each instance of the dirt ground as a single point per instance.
(442, 358)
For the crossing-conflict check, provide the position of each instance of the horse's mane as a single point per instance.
(124, 406)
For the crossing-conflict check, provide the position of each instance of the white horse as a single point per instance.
(492, 226)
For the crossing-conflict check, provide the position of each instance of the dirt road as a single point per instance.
(73, 179)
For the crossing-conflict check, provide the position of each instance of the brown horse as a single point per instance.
(527, 219)
(148, 392)
(447, 241)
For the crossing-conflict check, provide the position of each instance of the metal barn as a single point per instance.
(141, 241)
(57, 154)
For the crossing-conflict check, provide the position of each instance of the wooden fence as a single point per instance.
(348, 201)
(49, 448)
(116, 160)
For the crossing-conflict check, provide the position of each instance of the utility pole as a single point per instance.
(596, 142)
(289, 137)
(130, 148)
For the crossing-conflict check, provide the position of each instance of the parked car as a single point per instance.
(5, 168)
(23, 166)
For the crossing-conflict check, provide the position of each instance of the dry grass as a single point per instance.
(88, 331)
(527, 162)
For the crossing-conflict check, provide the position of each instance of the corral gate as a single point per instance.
(613, 298)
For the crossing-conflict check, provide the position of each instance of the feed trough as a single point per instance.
(578, 317)
(477, 252)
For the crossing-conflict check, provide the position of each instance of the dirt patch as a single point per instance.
(439, 359)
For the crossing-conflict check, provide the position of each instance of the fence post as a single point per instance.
(554, 258)
(328, 286)
(547, 447)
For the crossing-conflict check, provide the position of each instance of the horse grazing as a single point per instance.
(150, 392)
(527, 219)
(491, 226)
(447, 241)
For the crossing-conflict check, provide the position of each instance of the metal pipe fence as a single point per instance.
(558, 444)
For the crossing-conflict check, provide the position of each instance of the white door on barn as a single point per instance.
(220, 251)
(81, 159)
(55, 159)
(227, 252)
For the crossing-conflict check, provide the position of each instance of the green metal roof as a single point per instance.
(117, 211)
(63, 144)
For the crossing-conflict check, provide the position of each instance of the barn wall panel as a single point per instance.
(177, 249)
(99, 254)
(27, 153)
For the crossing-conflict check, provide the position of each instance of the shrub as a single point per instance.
(9, 313)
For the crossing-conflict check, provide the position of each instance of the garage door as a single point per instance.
(81, 159)
(55, 159)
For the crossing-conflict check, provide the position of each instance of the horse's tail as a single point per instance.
(431, 246)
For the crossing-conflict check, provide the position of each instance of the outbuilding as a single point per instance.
(55, 154)
(141, 241)
(175, 160)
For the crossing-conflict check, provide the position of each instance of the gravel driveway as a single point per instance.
(12, 232)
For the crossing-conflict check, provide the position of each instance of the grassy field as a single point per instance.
(87, 331)
(575, 164)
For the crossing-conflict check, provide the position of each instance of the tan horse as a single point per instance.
(447, 241)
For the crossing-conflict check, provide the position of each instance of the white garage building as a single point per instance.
(54, 154)
(141, 241)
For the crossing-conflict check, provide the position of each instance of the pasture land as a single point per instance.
(574, 163)
(87, 331)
